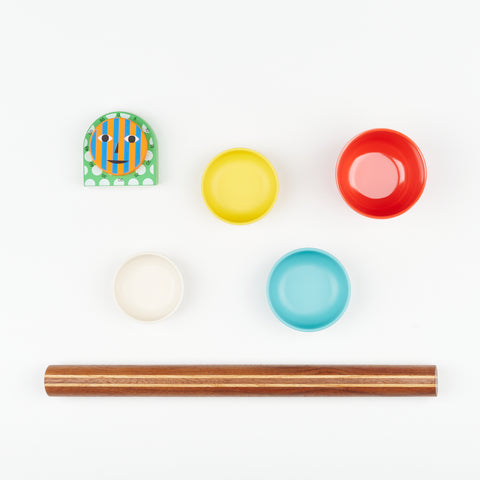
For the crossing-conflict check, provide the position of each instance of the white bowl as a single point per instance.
(148, 287)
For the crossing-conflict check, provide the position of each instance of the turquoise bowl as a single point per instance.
(308, 289)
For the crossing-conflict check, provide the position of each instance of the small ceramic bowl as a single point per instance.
(240, 186)
(308, 289)
(148, 287)
(381, 173)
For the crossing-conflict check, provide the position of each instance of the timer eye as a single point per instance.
(131, 139)
(104, 138)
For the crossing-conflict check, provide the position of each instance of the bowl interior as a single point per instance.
(308, 289)
(381, 173)
(240, 186)
(148, 287)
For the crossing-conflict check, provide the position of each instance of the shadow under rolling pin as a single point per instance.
(241, 380)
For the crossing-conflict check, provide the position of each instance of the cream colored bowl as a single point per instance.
(148, 287)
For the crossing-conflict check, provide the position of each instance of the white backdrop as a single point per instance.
(295, 81)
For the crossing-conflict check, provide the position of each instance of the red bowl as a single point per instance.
(381, 173)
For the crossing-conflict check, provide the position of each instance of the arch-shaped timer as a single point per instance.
(120, 148)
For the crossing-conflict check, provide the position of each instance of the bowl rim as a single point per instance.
(175, 268)
(321, 252)
(240, 149)
(422, 162)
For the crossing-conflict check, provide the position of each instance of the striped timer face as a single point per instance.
(118, 146)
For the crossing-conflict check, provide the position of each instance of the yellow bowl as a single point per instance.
(240, 186)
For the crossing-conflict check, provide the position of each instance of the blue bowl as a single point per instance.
(308, 289)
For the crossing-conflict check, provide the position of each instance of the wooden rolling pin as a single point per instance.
(241, 380)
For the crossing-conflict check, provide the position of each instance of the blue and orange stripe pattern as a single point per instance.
(118, 146)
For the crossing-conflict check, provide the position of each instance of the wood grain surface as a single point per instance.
(241, 380)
